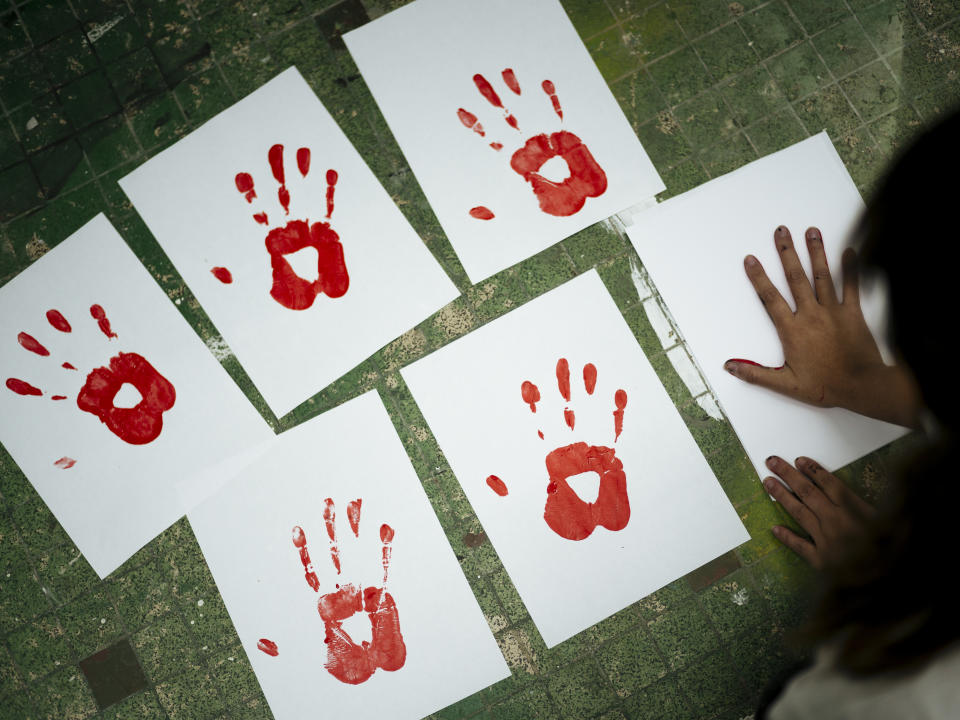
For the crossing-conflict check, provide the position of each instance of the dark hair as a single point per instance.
(883, 606)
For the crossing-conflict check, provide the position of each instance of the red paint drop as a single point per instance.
(98, 314)
(303, 161)
(331, 184)
(268, 646)
(486, 89)
(30, 343)
(530, 394)
(59, 397)
(589, 377)
(330, 518)
(68, 366)
(300, 542)
(568, 417)
(55, 318)
(353, 515)
(511, 80)
(291, 290)
(496, 145)
(261, 217)
(563, 378)
(549, 89)
(620, 399)
(275, 156)
(565, 512)
(222, 274)
(586, 178)
(481, 213)
(22, 388)
(469, 120)
(497, 485)
(245, 185)
(65, 463)
(143, 422)
(540, 434)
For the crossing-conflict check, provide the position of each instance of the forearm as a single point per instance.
(888, 393)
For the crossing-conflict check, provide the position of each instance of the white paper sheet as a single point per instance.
(693, 245)
(471, 394)
(420, 61)
(245, 532)
(120, 493)
(189, 198)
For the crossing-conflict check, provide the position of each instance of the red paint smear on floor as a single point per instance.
(261, 217)
(620, 399)
(511, 80)
(530, 394)
(22, 388)
(55, 318)
(497, 485)
(330, 519)
(331, 185)
(586, 178)
(222, 274)
(68, 366)
(563, 378)
(245, 185)
(565, 512)
(291, 290)
(275, 156)
(303, 161)
(353, 515)
(58, 397)
(589, 377)
(98, 314)
(268, 646)
(142, 423)
(30, 343)
(568, 417)
(551, 90)
(469, 120)
(481, 213)
(65, 463)
(300, 542)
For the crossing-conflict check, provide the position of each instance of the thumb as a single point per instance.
(779, 379)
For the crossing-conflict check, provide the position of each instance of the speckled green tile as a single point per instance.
(10, 679)
(735, 473)
(209, 622)
(725, 51)
(725, 157)
(508, 595)
(65, 573)
(752, 95)
(191, 695)
(653, 33)
(157, 120)
(40, 122)
(671, 381)
(588, 17)
(121, 36)
(21, 595)
(705, 120)
(894, 131)
(763, 656)
(771, 28)
(827, 110)
(845, 47)
(618, 277)
(631, 662)
(166, 649)
(25, 191)
(21, 80)
(710, 433)
(273, 16)
(497, 295)
(140, 595)
(639, 324)
(135, 77)
(680, 178)
(90, 622)
(580, 691)
(45, 19)
(733, 604)
(204, 95)
(759, 515)
(662, 700)
(712, 571)
(181, 52)
(872, 90)
(63, 696)
(697, 17)
(683, 634)
(88, 99)
(142, 706)
(39, 529)
(39, 647)
(519, 645)
(663, 141)
(531, 703)
(680, 75)
(935, 14)
(799, 71)
(60, 167)
(109, 144)
(711, 684)
(454, 320)
(67, 58)
(612, 56)
(13, 40)
(861, 156)
(776, 132)
(816, 15)
(786, 582)
(639, 97)
(884, 25)
(590, 246)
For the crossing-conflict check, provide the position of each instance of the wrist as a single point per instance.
(888, 393)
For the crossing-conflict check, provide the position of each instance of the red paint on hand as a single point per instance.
(137, 425)
(510, 78)
(481, 213)
(98, 314)
(497, 485)
(565, 512)
(563, 378)
(57, 320)
(22, 388)
(530, 394)
(244, 183)
(586, 178)
(353, 516)
(620, 400)
(65, 463)
(222, 274)
(30, 343)
(589, 377)
(268, 646)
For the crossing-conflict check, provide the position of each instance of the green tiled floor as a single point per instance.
(89, 89)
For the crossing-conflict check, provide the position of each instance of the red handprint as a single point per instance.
(347, 661)
(289, 289)
(136, 425)
(586, 177)
(568, 515)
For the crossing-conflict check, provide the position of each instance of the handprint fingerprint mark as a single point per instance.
(586, 178)
(136, 425)
(565, 512)
(289, 289)
(348, 661)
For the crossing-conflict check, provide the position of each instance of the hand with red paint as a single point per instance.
(289, 289)
(831, 514)
(586, 178)
(830, 356)
(348, 661)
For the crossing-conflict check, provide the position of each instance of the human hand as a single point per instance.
(830, 357)
(832, 514)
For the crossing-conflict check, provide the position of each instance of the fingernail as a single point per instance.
(768, 484)
(730, 366)
(750, 261)
(777, 531)
(813, 234)
(802, 461)
(771, 461)
(781, 230)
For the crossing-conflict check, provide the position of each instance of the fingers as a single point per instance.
(792, 269)
(834, 488)
(851, 277)
(822, 282)
(805, 490)
(804, 548)
(772, 300)
(800, 512)
(779, 379)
